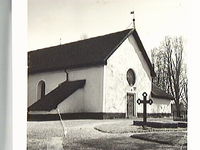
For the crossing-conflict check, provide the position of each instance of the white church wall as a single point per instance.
(160, 106)
(93, 89)
(92, 92)
(115, 83)
(72, 104)
(51, 79)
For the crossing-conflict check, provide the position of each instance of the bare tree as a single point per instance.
(169, 68)
(159, 62)
(184, 88)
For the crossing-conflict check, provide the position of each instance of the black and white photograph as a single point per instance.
(107, 75)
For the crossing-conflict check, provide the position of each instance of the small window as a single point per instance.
(131, 77)
(41, 89)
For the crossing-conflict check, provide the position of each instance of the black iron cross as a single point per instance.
(145, 102)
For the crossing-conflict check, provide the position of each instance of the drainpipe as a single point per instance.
(67, 75)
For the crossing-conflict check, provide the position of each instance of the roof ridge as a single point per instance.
(130, 32)
(99, 36)
(84, 53)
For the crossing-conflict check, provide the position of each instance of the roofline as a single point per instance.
(141, 48)
(143, 51)
(39, 49)
(120, 43)
(100, 63)
(104, 62)
(162, 97)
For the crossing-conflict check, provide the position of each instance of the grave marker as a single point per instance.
(144, 102)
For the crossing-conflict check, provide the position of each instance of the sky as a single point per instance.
(51, 22)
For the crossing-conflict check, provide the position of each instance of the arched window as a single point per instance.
(41, 89)
(131, 77)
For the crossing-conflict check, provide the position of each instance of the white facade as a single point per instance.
(160, 106)
(116, 86)
(51, 79)
(87, 99)
(74, 103)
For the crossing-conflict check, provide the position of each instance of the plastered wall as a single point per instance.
(90, 97)
(160, 106)
(116, 86)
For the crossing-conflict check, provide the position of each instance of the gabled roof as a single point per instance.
(56, 96)
(156, 92)
(84, 53)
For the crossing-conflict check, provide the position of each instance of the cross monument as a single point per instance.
(144, 102)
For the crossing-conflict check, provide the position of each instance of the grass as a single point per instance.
(120, 127)
(171, 138)
(46, 135)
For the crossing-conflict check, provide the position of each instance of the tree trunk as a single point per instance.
(178, 109)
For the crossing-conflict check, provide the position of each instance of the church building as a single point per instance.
(96, 78)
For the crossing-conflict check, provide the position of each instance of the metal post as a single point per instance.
(144, 111)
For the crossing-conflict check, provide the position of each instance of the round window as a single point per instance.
(130, 77)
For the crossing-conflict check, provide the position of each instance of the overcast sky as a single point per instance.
(50, 20)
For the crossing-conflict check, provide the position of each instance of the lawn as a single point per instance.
(99, 134)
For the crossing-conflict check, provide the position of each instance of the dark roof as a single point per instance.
(159, 93)
(56, 96)
(144, 54)
(84, 53)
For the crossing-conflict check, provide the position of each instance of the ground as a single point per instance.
(102, 135)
